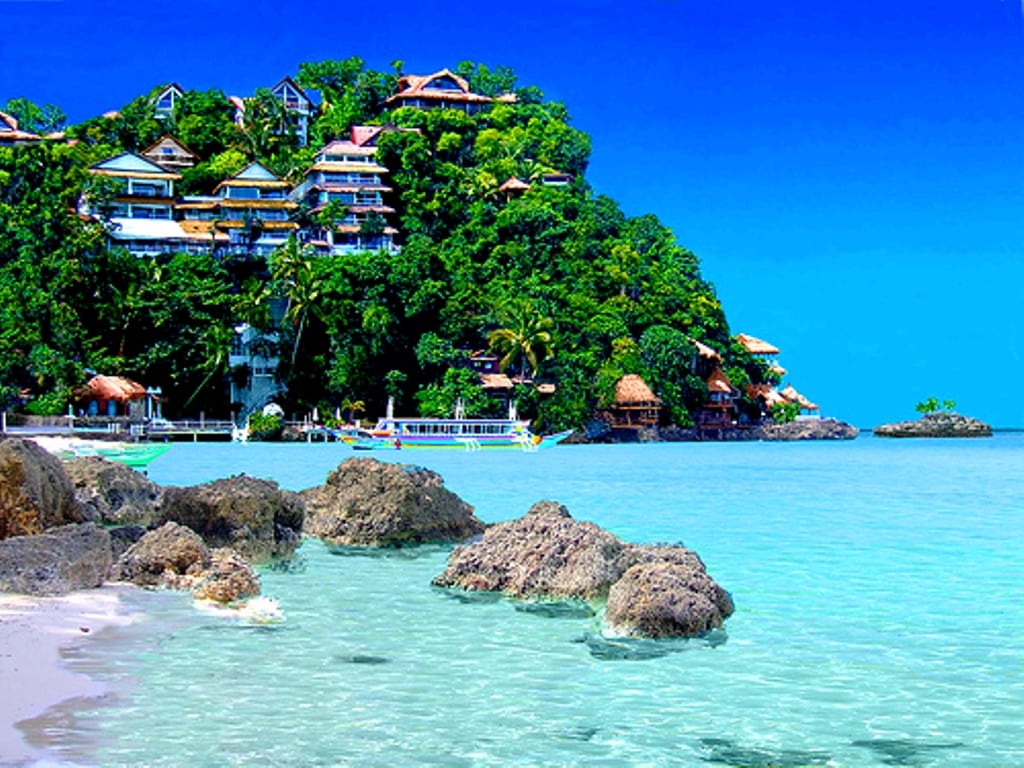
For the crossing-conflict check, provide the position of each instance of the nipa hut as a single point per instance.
(756, 346)
(106, 395)
(636, 406)
(792, 396)
(719, 411)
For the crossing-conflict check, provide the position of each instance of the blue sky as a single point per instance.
(850, 174)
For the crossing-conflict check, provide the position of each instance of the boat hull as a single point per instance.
(526, 442)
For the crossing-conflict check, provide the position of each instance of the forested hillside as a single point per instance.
(564, 286)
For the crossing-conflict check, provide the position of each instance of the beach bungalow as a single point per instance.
(139, 215)
(807, 408)
(112, 396)
(165, 99)
(442, 90)
(719, 412)
(11, 135)
(636, 406)
(705, 360)
(766, 396)
(170, 154)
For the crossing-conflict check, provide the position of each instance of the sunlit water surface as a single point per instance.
(879, 621)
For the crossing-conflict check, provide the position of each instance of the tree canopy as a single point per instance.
(566, 287)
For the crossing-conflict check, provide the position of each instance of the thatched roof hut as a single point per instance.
(719, 383)
(705, 351)
(636, 406)
(793, 396)
(633, 391)
(769, 396)
(756, 346)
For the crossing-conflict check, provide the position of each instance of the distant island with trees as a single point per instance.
(496, 259)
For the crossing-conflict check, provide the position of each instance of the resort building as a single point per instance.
(11, 135)
(248, 213)
(170, 154)
(298, 106)
(253, 364)
(347, 173)
(139, 214)
(165, 100)
(442, 90)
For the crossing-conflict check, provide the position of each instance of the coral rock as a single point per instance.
(366, 502)
(35, 494)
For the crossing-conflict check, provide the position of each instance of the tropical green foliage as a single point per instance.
(563, 285)
(934, 405)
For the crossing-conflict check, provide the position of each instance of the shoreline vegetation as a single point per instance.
(427, 238)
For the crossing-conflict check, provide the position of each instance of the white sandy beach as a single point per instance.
(33, 677)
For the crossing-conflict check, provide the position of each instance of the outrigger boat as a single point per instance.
(396, 433)
(135, 455)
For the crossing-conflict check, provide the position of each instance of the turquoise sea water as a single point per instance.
(879, 622)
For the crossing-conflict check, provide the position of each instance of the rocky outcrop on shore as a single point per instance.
(802, 429)
(653, 591)
(936, 425)
(113, 493)
(252, 516)
(35, 493)
(175, 557)
(366, 502)
(59, 561)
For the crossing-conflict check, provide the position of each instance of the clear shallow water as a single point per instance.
(879, 621)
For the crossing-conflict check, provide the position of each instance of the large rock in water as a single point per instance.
(653, 590)
(59, 561)
(936, 425)
(35, 494)
(112, 492)
(544, 554)
(254, 517)
(666, 599)
(366, 502)
(175, 557)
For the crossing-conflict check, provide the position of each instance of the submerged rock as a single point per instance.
(112, 492)
(651, 590)
(366, 502)
(35, 493)
(936, 425)
(254, 517)
(56, 562)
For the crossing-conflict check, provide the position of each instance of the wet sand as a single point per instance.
(33, 675)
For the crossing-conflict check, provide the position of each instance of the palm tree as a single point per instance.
(293, 268)
(352, 407)
(526, 337)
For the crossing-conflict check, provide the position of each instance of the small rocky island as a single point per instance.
(937, 424)
(67, 526)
